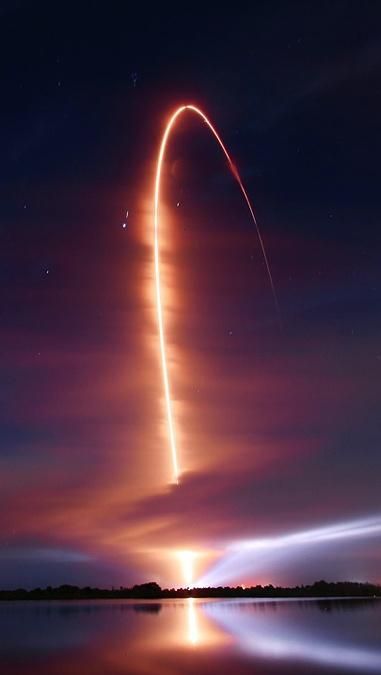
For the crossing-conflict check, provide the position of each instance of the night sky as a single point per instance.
(278, 430)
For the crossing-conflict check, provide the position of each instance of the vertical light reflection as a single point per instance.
(193, 628)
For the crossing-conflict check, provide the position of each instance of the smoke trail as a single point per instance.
(244, 557)
(159, 305)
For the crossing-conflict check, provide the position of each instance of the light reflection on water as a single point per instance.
(193, 632)
(190, 636)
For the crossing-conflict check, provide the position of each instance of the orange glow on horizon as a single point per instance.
(158, 294)
(187, 559)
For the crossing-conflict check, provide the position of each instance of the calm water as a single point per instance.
(190, 636)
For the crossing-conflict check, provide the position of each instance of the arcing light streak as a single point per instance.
(243, 557)
(159, 304)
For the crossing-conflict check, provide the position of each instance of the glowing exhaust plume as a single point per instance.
(186, 559)
(159, 304)
(243, 557)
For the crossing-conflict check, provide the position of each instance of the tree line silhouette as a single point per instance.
(152, 590)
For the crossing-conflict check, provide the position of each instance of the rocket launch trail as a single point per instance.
(159, 305)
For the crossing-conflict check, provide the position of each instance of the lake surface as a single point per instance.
(265, 637)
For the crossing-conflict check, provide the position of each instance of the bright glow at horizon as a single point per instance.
(240, 556)
(159, 304)
(186, 559)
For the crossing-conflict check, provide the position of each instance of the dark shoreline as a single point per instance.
(152, 591)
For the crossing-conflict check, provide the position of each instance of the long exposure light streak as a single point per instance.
(159, 303)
